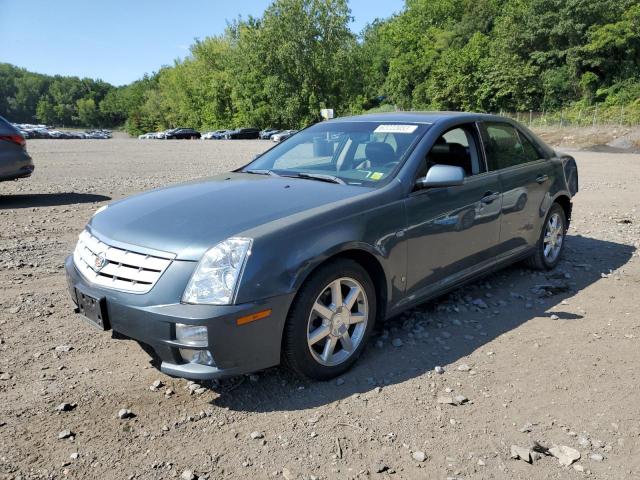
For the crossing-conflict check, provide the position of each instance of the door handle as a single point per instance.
(490, 197)
(542, 178)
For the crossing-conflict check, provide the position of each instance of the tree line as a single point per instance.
(300, 55)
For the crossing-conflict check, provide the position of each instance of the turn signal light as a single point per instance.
(253, 317)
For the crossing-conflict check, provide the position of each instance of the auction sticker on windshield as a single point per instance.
(395, 129)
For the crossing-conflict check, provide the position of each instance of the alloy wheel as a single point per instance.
(553, 238)
(338, 321)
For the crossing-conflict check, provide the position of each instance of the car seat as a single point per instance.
(378, 155)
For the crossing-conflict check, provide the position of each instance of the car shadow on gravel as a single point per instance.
(435, 334)
(10, 202)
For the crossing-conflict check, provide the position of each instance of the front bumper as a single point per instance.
(150, 319)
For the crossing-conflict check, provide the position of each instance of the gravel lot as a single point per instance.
(542, 359)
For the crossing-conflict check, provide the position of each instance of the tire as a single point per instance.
(539, 260)
(327, 353)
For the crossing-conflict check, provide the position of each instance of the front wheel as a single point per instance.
(551, 242)
(330, 320)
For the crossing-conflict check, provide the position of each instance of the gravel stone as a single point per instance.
(65, 407)
(460, 399)
(565, 455)
(419, 456)
(188, 475)
(124, 414)
(521, 453)
(65, 434)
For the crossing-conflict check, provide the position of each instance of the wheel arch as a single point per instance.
(367, 260)
(565, 202)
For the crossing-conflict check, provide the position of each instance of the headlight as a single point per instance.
(217, 275)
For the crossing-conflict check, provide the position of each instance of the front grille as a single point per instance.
(117, 268)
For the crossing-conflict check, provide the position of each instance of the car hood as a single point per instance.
(190, 218)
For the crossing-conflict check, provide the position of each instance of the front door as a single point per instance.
(452, 231)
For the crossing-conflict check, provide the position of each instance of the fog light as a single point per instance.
(192, 335)
(202, 357)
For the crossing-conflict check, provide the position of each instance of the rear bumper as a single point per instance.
(15, 166)
(236, 349)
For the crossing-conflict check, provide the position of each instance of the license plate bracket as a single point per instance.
(93, 309)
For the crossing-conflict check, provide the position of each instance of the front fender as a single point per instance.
(284, 258)
(308, 267)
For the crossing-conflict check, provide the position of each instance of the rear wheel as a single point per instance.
(330, 320)
(551, 242)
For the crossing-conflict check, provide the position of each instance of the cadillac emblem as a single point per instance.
(100, 261)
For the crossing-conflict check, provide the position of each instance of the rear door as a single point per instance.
(525, 175)
(452, 231)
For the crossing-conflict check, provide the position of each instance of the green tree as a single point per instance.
(88, 113)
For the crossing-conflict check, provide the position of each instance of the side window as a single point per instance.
(505, 146)
(456, 147)
(530, 152)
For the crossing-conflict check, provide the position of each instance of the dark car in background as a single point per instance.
(15, 162)
(182, 134)
(242, 134)
(297, 255)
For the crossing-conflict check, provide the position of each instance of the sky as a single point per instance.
(121, 40)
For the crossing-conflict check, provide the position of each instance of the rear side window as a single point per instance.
(505, 146)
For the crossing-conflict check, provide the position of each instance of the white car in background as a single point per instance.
(278, 137)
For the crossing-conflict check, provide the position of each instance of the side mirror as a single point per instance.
(442, 176)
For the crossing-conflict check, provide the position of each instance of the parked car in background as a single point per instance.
(283, 135)
(182, 134)
(298, 254)
(268, 132)
(214, 135)
(242, 134)
(101, 134)
(15, 162)
(39, 133)
(42, 131)
(220, 135)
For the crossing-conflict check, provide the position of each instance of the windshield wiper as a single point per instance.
(261, 171)
(319, 176)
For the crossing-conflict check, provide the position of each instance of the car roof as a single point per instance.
(418, 117)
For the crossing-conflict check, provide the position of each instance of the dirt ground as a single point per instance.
(553, 358)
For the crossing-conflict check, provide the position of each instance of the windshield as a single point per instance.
(355, 153)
